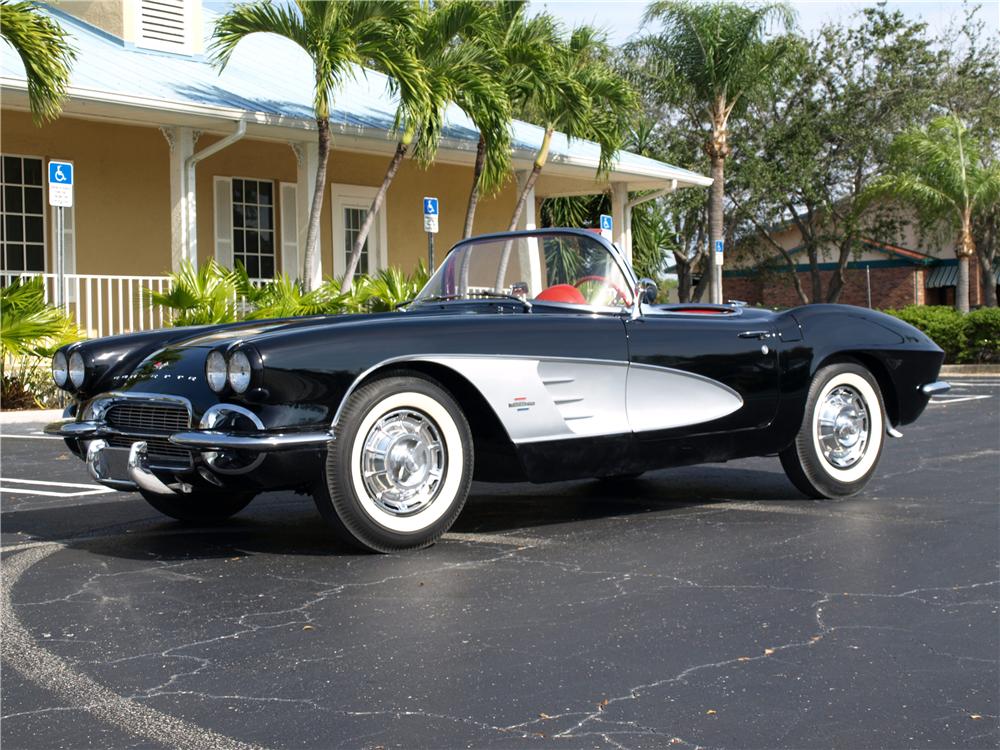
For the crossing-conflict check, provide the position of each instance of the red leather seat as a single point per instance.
(562, 293)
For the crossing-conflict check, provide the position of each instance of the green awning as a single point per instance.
(942, 276)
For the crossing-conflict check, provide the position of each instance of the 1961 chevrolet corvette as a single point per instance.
(528, 356)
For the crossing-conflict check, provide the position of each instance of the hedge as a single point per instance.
(967, 339)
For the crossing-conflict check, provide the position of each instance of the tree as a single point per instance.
(814, 145)
(521, 49)
(938, 171)
(584, 97)
(45, 52)
(720, 54)
(341, 37)
(457, 69)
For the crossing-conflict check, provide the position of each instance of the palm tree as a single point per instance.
(456, 67)
(198, 296)
(720, 54)
(45, 52)
(340, 37)
(938, 171)
(584, 97)
(521, 48)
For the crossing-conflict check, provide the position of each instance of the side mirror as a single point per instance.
(647, 291)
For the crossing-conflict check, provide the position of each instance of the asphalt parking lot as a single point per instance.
(707, 606)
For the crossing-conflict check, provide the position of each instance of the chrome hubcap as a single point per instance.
(403, 462)
(843, 426)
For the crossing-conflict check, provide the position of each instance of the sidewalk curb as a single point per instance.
(976, 371)
(29, 416)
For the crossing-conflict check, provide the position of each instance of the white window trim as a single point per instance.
(357, 196)
(48, 220)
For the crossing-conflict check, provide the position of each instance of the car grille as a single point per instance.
(149, 421)
(146, 417)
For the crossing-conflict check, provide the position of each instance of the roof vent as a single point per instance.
(166, 25)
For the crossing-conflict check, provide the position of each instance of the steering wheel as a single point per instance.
(605, 281)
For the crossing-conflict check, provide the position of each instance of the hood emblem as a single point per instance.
(159, 365)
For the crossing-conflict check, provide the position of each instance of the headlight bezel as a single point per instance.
(77, 366)
(60, 363)
(239, 371)
(218, 358)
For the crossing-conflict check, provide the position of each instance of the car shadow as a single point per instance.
(285, 524)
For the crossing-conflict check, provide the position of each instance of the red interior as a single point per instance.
(562, 293)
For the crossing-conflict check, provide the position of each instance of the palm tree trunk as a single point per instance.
(312, 235)
(477, 170)
(377, 201)
(522, 201)
(966, 250)
(715, 223)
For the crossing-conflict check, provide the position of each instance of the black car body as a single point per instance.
(552, 384)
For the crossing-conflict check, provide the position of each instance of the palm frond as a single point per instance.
(46, 53)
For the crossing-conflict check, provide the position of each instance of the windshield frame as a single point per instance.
(610, 247)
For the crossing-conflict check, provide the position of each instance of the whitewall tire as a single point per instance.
(839, 443)
(399, 468)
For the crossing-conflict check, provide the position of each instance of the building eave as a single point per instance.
(154, 112)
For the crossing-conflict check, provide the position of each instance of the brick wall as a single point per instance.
(891, 287)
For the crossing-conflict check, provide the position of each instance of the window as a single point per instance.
(22, 208)
(353, 219)
(253, 226)
(350, 205)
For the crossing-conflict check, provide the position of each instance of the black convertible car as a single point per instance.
(532, 356)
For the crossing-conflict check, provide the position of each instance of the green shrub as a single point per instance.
(945, 326)
(30, 332)
(982, 335)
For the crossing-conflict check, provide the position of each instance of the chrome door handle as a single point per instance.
(755, 334)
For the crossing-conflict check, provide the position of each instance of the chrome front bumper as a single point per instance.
(105, 462)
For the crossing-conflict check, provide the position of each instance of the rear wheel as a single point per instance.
(839, 443)
(399, 470)
(199, 507)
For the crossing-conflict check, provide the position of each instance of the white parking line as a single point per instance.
(945, 400)
(30, 437)
(80, 489)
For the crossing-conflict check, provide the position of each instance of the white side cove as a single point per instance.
(540, 399)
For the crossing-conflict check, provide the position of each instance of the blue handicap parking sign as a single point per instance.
(718, 246)
(606, 222)
(430, 206)
(60, 173)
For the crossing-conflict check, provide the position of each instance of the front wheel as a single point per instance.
(400, 467)
(839, 443)
(199, 506)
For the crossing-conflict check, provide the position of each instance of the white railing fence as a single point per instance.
(104, 305)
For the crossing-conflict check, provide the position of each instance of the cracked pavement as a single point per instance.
(708, 606)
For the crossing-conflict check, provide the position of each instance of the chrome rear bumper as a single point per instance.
(936, 388)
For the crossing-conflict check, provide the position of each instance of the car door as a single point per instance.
(700, 373)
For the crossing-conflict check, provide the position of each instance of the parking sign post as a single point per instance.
(60, 197)
(431, 227)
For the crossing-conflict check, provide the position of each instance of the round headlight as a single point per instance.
(215, 371)
(77, 370)
(60, 369)
(239, 372)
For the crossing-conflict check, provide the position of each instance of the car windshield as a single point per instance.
(543, 267)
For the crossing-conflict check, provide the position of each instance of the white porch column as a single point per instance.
(621, 216)
(307, 158)
(181, 141)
